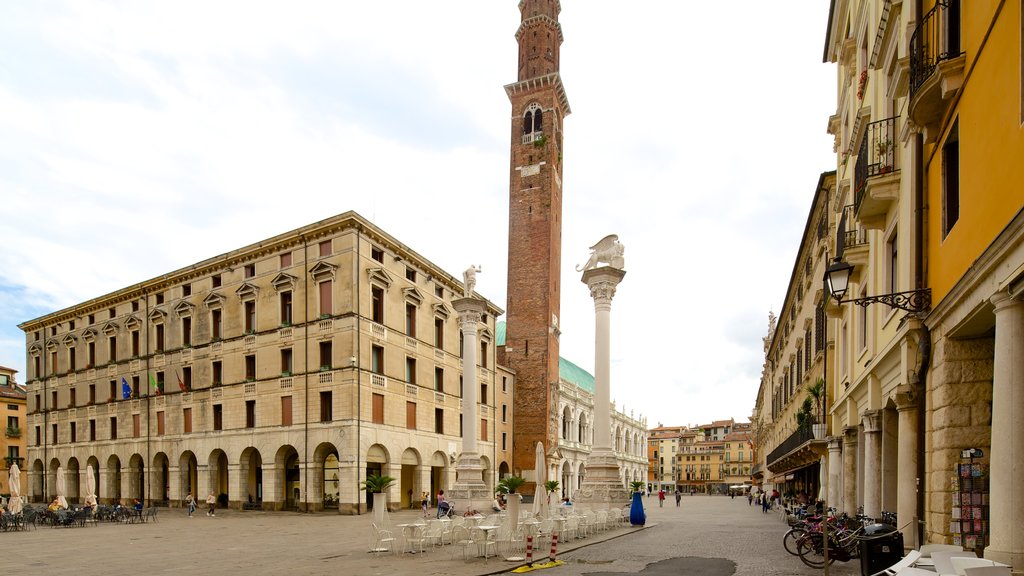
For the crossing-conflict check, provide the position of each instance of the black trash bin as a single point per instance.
(881, 546)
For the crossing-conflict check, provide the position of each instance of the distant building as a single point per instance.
(12, 444)
(663, 443)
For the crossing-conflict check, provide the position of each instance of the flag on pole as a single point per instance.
(126, 390)
(153, 384)
(181, 384)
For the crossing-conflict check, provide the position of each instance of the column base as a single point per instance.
(602, 487)
(469, 491)
(1015, 559)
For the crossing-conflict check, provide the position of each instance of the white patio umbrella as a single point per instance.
(539, 494)
(61, 487)
(14, 504)
(90, 486)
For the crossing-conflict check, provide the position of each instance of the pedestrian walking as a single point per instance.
(679, 496)
(190, 504)
(425, 502)
(661, 498)
(211, 501)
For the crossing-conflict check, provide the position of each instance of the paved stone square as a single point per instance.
(727, 532)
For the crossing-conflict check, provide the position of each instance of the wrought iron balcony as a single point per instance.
(854, 235)
(936, 38)
(876, 158)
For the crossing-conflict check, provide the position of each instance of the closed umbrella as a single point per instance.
(14, 504)
(539, 495)
(90, 486)
(61, 487)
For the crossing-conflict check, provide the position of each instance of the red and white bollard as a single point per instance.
(529, 550)
(554, 546)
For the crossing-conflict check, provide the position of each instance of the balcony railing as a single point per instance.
(13, 432)
(795, 440)
(854, 235)
(936, 38)
(876, 157)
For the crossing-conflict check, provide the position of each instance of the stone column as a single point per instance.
(602, 485)
(469, 491)
(835, 464)
(850, 470)
(872, 463)
(1006, 538)
(907, 481)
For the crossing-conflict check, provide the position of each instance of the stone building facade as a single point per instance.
(284, 372)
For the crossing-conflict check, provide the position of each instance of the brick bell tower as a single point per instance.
(539, 105)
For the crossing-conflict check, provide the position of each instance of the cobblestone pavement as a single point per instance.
(725, 532)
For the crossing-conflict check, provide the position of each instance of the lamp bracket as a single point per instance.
(914, 301)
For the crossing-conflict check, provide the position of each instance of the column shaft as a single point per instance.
(872, 464)
(1006, 539)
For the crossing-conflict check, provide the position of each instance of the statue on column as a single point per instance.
(608, 251)
(469, 278)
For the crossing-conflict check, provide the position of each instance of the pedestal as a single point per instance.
(602, 487)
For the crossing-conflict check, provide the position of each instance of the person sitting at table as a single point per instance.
(496, 505)
(55, 505)
(137, 506)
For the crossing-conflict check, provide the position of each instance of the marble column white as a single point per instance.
(602, 487)
(469, 491)
(849, 470)
(906, 474)
(835, 466)
(1006, 537)
(872, 463)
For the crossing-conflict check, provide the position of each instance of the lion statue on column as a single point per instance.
(608, 251)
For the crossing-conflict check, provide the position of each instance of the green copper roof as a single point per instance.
(566, 370)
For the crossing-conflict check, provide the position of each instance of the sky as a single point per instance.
(137, 138)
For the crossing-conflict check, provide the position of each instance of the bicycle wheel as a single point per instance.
(810, 550)
(790, 539)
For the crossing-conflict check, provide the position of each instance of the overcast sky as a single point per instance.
(140, 137)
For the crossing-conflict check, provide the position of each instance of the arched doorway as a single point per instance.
(251, 469)
(95, 463)
(160, 477)
(51, 479)
(324, 479)
(37, 482)
(407, 483)
(289, 476)
(502, 470)
(219, 477)
(488, 473)
(113, 480)
(438, 474)
(74, 486)
(376, 460)
(137, 478)
(580, 474)
(188, 471)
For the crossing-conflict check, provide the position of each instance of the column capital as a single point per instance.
(602, 282)
(835, 443)
(905, 398)
(1002, 300)
(470, 311)
(872, 421)
(850, 435)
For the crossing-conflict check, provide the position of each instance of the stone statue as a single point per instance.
(469, 278)
(609, 251)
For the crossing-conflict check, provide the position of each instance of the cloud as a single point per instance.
(138, 138)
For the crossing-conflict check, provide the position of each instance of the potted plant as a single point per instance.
(804, 417)
(510, 484)
(816, 393)
(637, 516)
(377, 485)
(549, 487)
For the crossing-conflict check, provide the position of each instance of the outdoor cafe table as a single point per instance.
(487, 529)
(411, 532)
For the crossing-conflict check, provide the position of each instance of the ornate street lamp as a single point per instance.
(837, 280)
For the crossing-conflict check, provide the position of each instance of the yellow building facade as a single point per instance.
(12, 443)
(925, 374)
